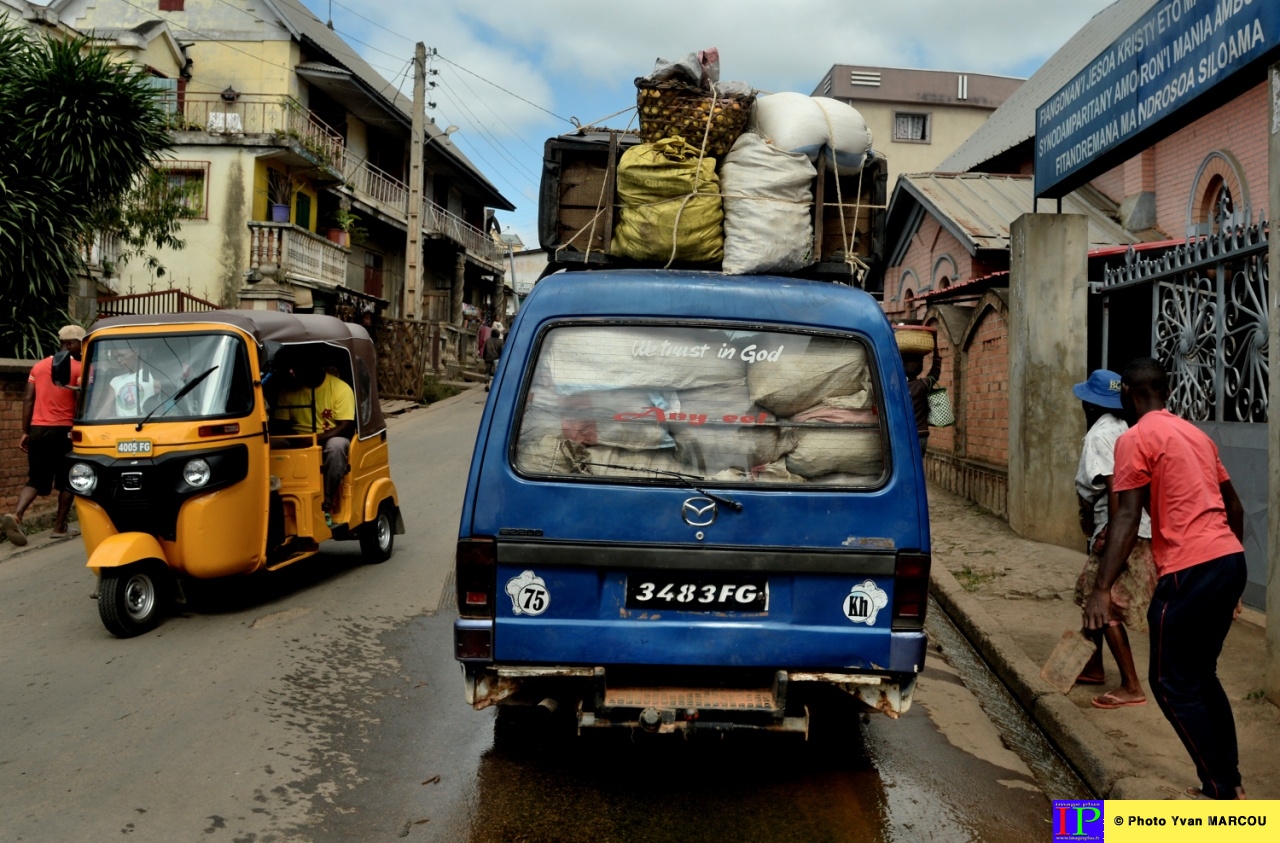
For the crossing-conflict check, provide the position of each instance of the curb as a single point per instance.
(1091, 753)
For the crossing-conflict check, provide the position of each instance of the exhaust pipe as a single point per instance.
(549, 705)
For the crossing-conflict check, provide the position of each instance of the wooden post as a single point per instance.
(412, 304)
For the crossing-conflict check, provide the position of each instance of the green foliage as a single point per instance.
(76, 144)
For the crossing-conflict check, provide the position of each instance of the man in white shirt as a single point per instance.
(1131, 593)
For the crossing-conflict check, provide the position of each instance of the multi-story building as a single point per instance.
(917, 117)
(285, 137)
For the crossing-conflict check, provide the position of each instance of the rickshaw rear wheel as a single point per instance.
(131, 599)
(378, 537)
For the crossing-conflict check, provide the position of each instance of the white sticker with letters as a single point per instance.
(863, 603)
(528, 593)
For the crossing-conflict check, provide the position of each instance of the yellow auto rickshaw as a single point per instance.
(186, 462)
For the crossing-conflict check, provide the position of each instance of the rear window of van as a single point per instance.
(646, 403)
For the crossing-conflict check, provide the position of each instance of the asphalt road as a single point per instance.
(322, 703)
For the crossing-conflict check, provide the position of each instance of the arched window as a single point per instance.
(1219, 197)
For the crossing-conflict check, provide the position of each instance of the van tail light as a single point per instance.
(476, 576)
(910, 590)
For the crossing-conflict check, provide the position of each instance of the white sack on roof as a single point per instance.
(768, 224)
(797, 123)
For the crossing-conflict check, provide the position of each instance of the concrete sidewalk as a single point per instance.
(1012, 598)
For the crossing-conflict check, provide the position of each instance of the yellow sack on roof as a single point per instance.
(667, 197)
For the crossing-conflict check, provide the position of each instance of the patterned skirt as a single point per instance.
(1132, 590)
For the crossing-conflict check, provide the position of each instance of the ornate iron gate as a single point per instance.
(1209, 326)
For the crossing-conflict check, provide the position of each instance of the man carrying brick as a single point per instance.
(47, 410)
(1197, 524)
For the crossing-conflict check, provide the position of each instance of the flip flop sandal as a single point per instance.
(1091, 681)
(1196, 793)
(12, 531)
(69, 533)
(1107, 701)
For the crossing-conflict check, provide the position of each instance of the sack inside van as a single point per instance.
(645, 402)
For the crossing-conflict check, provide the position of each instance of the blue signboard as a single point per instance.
(1175, 54)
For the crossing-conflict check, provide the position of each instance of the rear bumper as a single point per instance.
(663, 699)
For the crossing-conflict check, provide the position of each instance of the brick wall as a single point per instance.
(1238, 128)
(13, 462)
(930, 243)
(985, 398)
(971, 458)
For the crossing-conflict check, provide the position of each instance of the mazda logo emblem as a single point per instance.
(699, 512)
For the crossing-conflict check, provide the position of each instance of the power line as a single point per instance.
(374, 22)
(486, 133)
(492, 110)
(500, 88)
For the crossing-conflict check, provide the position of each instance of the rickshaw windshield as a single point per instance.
(129, 378)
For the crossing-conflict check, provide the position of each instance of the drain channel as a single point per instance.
(1020, 734)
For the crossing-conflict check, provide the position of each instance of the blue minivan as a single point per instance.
(695, 499)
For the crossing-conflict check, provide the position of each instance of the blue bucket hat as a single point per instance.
(1102, 388)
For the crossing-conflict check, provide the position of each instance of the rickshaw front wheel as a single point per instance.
(131, 599)
(378, 537)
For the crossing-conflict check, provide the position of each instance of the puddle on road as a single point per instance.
(1052, 773)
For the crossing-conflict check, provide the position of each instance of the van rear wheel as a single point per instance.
(130, 600)
(378, 537)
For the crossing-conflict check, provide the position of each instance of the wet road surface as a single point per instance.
(323, 704)
(528, 778)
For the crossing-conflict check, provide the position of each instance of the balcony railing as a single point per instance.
(437, 220)
(259, 114)
(383, 189)
(286, 252)
(392, 195)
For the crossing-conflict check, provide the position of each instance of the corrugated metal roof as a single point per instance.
(978, 209)
(1014, 121)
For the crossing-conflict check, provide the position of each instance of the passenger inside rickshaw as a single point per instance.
(310, 395)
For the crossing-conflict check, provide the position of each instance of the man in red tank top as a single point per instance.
(1197, 523)
(47, 410)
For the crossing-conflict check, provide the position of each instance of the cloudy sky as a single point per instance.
(512, 72)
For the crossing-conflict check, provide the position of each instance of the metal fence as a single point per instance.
(159, 301)
(1210, 306)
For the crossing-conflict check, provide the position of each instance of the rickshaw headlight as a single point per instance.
(82, 478)
(196, 473)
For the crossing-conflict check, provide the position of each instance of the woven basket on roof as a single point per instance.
(671, 109)
(913, 339)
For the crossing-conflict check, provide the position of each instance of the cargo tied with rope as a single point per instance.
(804, 193)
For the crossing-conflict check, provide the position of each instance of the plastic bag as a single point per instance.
(940, 412)
(670, 205)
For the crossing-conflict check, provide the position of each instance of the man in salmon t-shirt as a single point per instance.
(1197, 524)
(47, 411)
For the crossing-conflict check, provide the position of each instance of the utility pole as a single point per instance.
(413, 244)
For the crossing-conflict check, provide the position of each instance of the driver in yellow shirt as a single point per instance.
(323, 404)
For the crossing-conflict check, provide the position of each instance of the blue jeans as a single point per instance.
(1190, 616)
